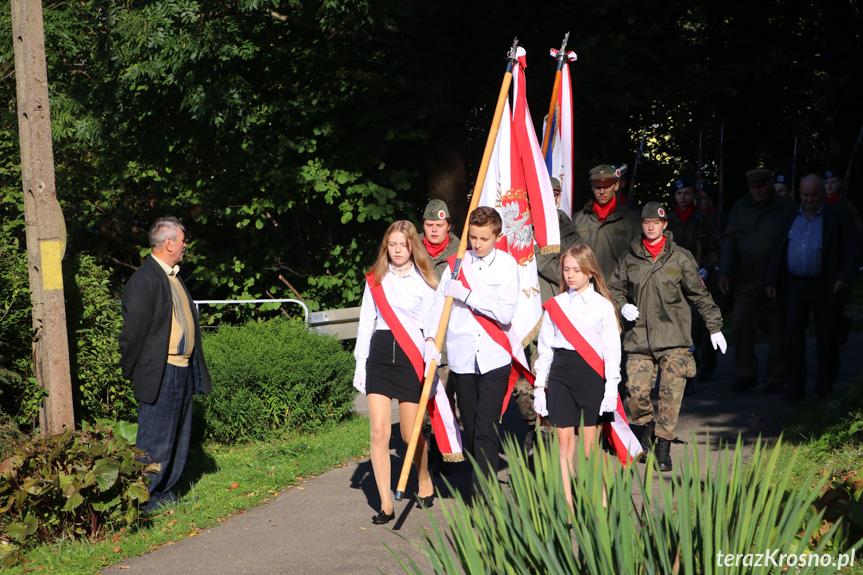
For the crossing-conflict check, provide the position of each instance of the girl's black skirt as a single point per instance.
(574, 390)
(389, 371)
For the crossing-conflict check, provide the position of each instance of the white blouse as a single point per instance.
(413, 293)
(599, 315)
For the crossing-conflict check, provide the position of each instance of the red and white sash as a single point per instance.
(618, 431)
(409, 337)
(506, 338)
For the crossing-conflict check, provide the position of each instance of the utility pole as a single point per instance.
(46, 237)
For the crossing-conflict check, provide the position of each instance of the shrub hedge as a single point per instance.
(274, 374)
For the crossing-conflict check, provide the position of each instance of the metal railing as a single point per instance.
(229, 301)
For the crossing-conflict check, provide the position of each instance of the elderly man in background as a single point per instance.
(752, 227)
(813, 267)
(160, 347)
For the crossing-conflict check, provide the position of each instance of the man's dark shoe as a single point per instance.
(689, 389)
(663, 454)
(744, 384)
(644, 434)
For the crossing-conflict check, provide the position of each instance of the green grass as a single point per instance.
(231, 479)
(828, 440)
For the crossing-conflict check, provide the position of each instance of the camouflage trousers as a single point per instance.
(673, 367)
(523, 392)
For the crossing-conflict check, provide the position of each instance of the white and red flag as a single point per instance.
(559, 157)
(518, 187)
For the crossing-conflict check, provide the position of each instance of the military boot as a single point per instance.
(663, 453)
(644, 434)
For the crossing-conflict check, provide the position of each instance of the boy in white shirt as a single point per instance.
(480, 357)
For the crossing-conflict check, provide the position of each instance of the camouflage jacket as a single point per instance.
(662, 290)
(609, 239)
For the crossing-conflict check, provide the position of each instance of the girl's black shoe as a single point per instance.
(425, 502)
(382, 518)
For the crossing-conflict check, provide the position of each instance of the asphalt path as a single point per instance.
(324, 524)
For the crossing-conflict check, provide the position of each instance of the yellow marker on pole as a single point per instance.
(52, 271)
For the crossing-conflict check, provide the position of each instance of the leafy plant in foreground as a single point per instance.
(648, 524)
(73, 485)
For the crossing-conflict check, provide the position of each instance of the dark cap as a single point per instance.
(604, 175)
(653, 210)
(832, 173)
(555, 184)
(758, 176)
(681, 183)
(436, 210)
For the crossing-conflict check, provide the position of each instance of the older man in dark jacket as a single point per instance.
(752, 228)
(812, 267)
(161, 353)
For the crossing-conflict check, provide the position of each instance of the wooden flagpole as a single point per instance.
(561, 58)
(462, 248)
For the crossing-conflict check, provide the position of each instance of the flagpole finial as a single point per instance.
(513, 53)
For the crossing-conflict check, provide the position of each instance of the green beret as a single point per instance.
(555, 184)
(758, 175)
(653, 210)
(436, 210)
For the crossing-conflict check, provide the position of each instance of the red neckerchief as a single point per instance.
(684, 214)
(656, 248)
(832, 199)
(709, 210)
(436, 250)
(603, 211)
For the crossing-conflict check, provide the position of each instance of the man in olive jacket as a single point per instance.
(753, 225)
(653, 286)
(605, 223)
(160, 347)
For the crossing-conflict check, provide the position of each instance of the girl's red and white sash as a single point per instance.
(409, 337)
(579, 335)
(503, 336)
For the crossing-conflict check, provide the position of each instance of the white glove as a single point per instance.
(718, 341)
(609, 398)
(539, 402)
(360, 379)
(703, 273)
(431, 354)
(608, 405)
(456, 290)
(629, 312)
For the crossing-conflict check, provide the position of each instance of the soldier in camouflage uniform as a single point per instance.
(440, 243)
(653, 285)
(605, 223)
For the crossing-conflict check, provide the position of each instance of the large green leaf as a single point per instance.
(107, 472)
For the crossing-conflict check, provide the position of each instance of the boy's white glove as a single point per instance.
(431, 354)
(360, 379)
(629, 312)
(456, 290)
(718, 341)
(539, 401)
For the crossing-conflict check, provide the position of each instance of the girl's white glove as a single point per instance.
(539, 401)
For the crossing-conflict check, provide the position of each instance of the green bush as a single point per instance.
(15, 329)
(73, 485)
(271, 375)
(649, 525)
(94, 322)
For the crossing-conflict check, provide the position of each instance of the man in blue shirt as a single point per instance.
(812, 267)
